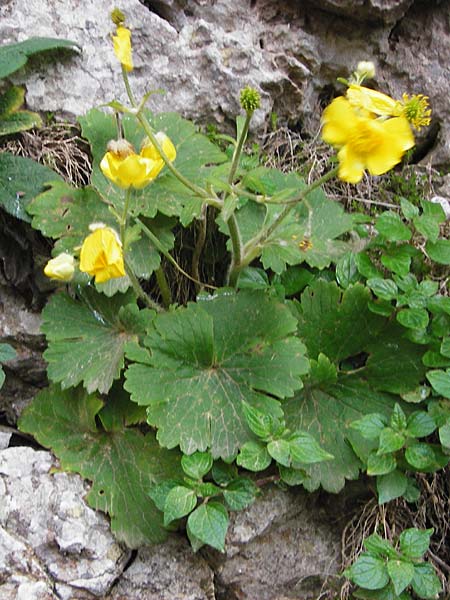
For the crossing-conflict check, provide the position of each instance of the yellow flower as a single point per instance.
(415, 109)
(127, 169)
(122, 47)
(101, 255)
(149, 150)
(364, 142)
(62, 267)
(373, 102)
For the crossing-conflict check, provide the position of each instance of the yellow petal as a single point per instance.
(62, 267)
(122, 47)
(337, 122)
(372, 101)
(351, 166)
(101, 255)
(396, 140)
(149, 150)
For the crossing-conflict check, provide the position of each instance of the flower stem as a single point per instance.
(139, 291)
(253, 247)
(164, 288)
(233, 227)
(198, 191)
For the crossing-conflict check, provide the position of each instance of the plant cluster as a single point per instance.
(324, 352)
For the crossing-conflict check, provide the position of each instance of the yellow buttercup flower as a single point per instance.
(122, 47)
(364, 142)
(62, 267)
(415, 109)
(150, 151)
(127, 169)
(101, 255)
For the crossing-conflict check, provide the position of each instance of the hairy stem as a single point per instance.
(164, 288)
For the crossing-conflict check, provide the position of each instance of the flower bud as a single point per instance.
(117, 17)
(250, 99)
(364, 70)
(62, 267)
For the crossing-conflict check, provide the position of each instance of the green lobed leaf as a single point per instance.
(413, 318)
(207, 360)
(440, 380)
(122, 463)
(409, 209)
(86, 340)
(421, 456)
(439, 251)
(444, 434)
(391, 486)
(223, 473)
(370, 426)
(386, 289)
(304, 236)
(420, 424)
(21, 180)
(209, 523)
(390, 225)
(390, 441)
(369, 572)
(401, 573)
(240, 493)
(304, 449)
(15, 56)
(197, 465)
(428, 226)
(180, 501)
(254, 456)
(398, 258)
(415, 542)
(280, 451)
(380, 464)
(375, 544)
(7, 352)
(426, 583)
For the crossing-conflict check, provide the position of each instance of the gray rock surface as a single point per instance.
(48, 536)
(283, 546)
(53, 546)
(19, 326)
(202, 53)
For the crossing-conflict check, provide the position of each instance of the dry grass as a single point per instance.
(391, 519)
(57, 146)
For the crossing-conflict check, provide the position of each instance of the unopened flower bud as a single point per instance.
(117, 17)
(364, 70)
(250, 99)
(62, 267)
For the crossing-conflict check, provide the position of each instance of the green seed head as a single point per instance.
(250, 99)
(117, 17)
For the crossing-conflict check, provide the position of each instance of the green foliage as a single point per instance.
(397, 449)
(204, 361)
(15, 56)
(317, 355)
(95, 440)
(21, 180)
(13, 120)
(7, 352)
(387, 571)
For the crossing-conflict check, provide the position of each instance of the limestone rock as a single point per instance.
(170, 571)
(202, 53)
(388, 11)
(48, 535)
(281, 546)
(19, 326)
